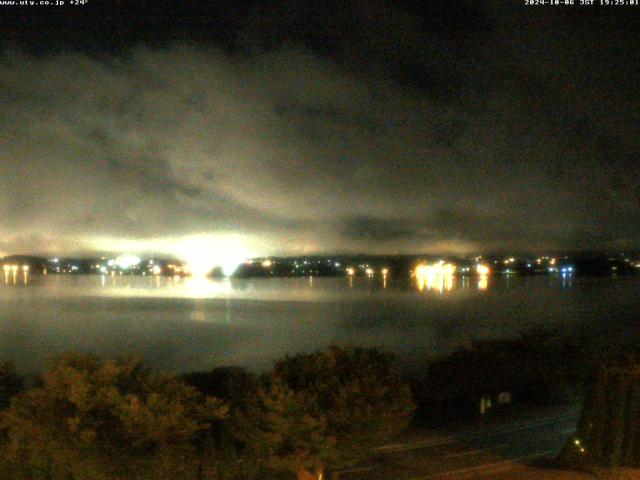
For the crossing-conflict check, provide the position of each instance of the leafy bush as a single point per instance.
(93, 419)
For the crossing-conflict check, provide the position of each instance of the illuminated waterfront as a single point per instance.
(187, 323)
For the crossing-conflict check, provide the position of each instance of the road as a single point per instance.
(468, 452)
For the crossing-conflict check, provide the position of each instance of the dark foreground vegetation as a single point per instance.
(95, 419)
(537, 368)
(608, 432)
(310, 415)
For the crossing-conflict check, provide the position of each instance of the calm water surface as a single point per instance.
(190, 324)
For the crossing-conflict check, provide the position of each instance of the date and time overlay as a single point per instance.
(528, 3)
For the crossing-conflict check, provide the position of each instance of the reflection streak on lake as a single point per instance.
(180, 324)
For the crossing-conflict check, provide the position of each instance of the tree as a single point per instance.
(538, 367)
(230, 384)
(283, 430)
(358, 394)
(238, 388)
(103, 420)
(607, 434)
(10, 383)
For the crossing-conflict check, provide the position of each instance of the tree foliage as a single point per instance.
(608, 432)
(96, 419)
(325, 409)
(10, 383)
(539, 367)
(359, 391)
(283, 429)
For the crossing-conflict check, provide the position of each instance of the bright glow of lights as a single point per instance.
(438, 276)
(157, 270)
(482, 269)
(127, 260)
(204, 253)
(385, 271)
(201, 253)
(267, 263)
(369, 271)
(350, 271)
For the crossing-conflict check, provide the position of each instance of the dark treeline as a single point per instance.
(88, 418)
(536, 368)
(94, 419)
(608, 433)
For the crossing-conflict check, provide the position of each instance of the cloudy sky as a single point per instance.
(363, 126)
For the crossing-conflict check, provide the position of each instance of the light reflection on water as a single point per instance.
(277, 289)
(182, 324)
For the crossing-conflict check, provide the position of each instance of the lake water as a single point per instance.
(195, 324)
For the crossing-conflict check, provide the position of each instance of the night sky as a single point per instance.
(287, 127)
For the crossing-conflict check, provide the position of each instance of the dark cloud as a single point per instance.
(360, 126)
(378, 230)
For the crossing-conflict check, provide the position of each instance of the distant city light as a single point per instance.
(437, 276)
(369, 271)
(199, 253)
(482, 269)
(127, 261)
(350, 271)
(267, 263)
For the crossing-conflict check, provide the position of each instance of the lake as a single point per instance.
(183, 324)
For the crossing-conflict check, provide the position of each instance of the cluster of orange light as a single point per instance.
(177, 269)
(440, 276)
(436, 276)
(482, 269)
(15, 268)
(369, 271)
